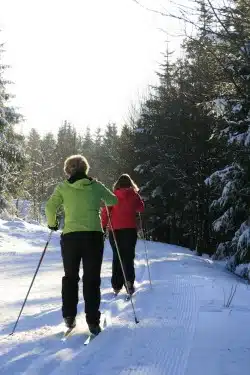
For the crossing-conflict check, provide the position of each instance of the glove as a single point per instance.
(55, 228)
(105, 234)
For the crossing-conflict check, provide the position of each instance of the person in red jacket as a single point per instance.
(123, 221)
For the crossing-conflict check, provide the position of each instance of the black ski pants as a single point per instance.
(126, 241)
(88, 248)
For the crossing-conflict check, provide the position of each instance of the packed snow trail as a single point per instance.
(184, 328)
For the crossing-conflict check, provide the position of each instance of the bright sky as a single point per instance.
(84, 61)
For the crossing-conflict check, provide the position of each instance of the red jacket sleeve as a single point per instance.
(139, 204)
(104, 216)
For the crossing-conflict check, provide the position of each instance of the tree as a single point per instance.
(232, 206)
(11, 152)
(175, 154)
(110, 154)
(68, 143)
(48, 148)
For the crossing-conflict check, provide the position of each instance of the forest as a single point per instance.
(187, 143)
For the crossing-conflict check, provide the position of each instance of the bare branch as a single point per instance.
(219, 61)
(181, 17)
(217, 17)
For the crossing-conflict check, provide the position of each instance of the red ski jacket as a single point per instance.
(123, 214)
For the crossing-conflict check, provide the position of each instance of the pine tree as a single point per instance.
(126, 151)
(34, 175)
(87, 149)
(11, 153)
(48, 148)
(67, 143)
(110, 154)
(175, 155)
(97, 169)
(232, 207)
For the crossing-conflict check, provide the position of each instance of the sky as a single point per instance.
(84, 61)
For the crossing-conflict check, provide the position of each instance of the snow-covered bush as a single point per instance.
(29, 211)
(240, 261)
(223, 251)
(7, 210)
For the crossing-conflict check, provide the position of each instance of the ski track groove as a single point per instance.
(49, 358)
(104, 367)
(169, 340)
(168, 360)
(172, 360)
(174, 325)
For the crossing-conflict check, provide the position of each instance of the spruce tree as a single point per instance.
(12, 157)
(232, 181)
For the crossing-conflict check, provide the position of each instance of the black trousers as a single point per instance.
(126, 241)
(88, 248)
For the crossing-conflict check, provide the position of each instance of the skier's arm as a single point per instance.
(52, 205)
(107, 196)
(139, 204)
(105, 217)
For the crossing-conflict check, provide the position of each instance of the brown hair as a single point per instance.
(125, 181)
(75, 164)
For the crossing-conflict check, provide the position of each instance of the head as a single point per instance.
(76, 164)
(125, 181)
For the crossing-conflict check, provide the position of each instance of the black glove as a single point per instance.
(55, 228)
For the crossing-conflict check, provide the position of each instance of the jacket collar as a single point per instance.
(78, 176)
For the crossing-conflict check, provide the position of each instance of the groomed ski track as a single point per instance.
(184, 328)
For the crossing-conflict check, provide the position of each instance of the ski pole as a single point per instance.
(120, 259)
(145, 248)
(40, 261)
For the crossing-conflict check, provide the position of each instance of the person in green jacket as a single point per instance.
(82, 238)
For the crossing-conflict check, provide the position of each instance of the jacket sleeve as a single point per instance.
(104, 216)
(107, 196)
(52, 205)
(139, 204)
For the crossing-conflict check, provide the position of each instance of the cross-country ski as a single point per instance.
(67, 333)
(103, 325)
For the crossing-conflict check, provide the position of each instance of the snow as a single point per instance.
(218, 106)
(237, 108)
(244, 241)
(228, 189)
(241, 139)
(139, 168)
(139, 130)
(243, 270)
(185, 327)
(156, 192)
(224, 175)
(223, 222)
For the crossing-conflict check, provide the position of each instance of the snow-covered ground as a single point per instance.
(184, 329)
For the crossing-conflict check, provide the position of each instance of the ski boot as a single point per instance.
(94, 329)
(70, 322)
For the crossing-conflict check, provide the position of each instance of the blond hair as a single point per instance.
(75, 164)
(125, 181)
